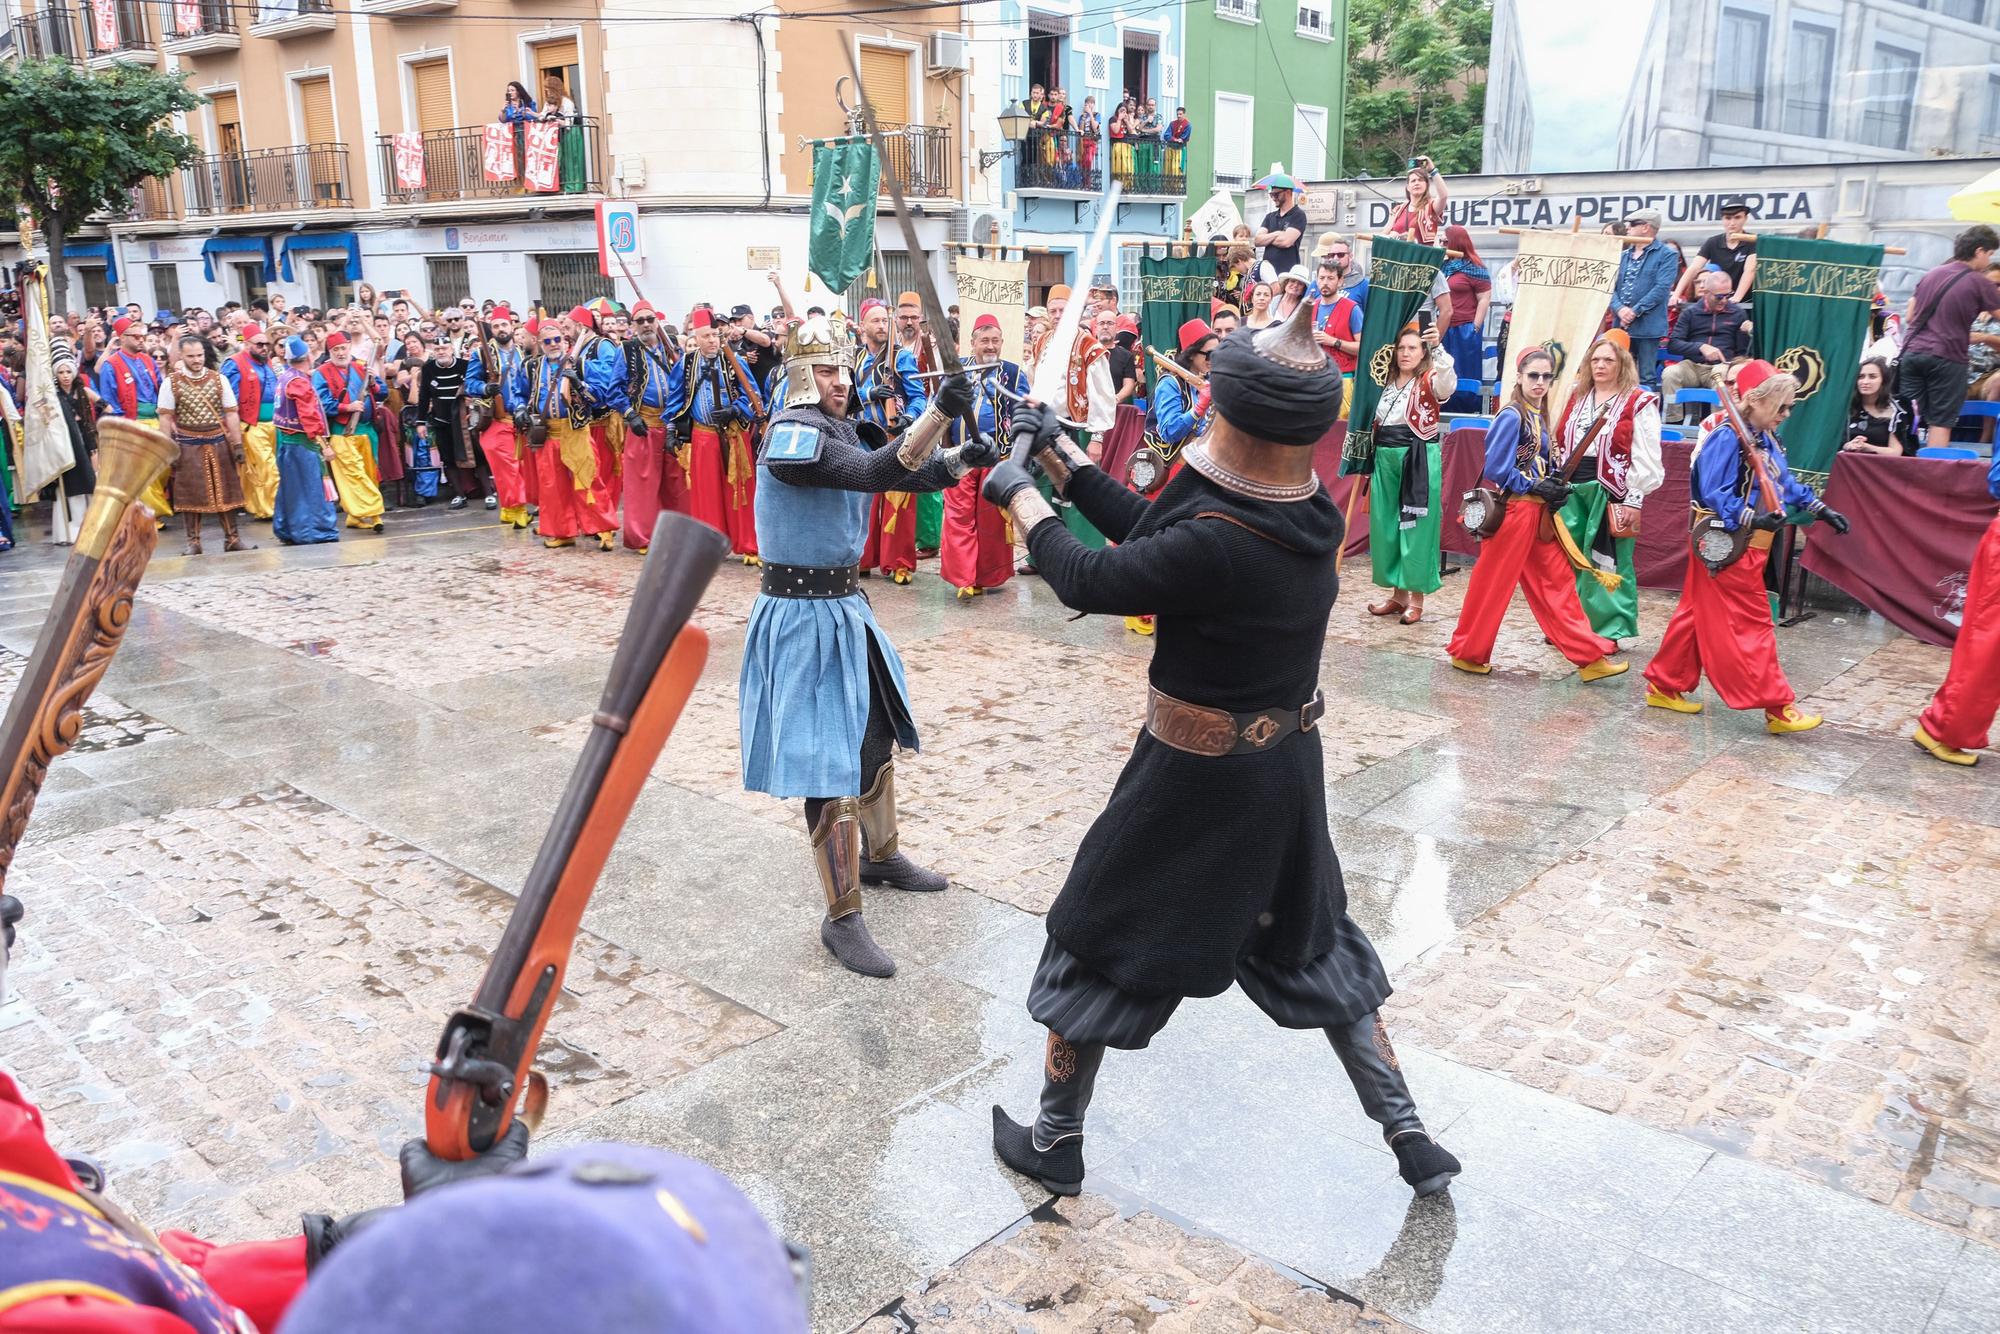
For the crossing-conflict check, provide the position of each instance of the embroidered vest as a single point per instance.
(285, 414)
(1613, 442)
(1084, 353)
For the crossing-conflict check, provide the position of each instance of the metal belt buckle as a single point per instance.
(1311, 712)
(1260, 731)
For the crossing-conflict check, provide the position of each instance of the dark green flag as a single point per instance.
(841, 237)
(1400, 276)
(1811, 303)
(1173, 290)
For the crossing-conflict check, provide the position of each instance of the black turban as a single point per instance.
(1273, 398)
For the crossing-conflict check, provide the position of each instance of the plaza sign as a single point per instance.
(1789, 208)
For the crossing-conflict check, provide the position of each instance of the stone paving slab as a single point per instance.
(234, 1007)
(1085, 1264)
(1807, 982)
(107, 724)
(411, 624)
(1885, 690)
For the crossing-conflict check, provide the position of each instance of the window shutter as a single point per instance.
(1014, 56)
(1170, 77)
(225, 110)
(1232, 138)
(316, 110)
(1309, 143)
(430, 86)
(1097, 68)
(885, 83)
(557, 56)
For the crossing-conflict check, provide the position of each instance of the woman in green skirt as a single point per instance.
(1405, 512)
(1608, 443)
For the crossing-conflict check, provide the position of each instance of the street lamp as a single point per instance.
(1015, 122)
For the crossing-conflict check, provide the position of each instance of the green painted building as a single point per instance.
(1265, 83)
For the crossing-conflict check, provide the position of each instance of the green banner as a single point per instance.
(1400, 276)
(1811, 302)
(1173, 290)
(841, 237)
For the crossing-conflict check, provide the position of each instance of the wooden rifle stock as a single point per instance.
(1746, 440)
(486, 1049)
(86, 621)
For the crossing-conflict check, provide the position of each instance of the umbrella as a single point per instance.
(1979, 201)
(1277, 180)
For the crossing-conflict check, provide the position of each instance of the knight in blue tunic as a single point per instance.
(822, 694)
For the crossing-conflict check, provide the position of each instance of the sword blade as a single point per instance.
(1053, 373)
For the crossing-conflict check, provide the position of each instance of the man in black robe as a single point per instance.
(1236, 558)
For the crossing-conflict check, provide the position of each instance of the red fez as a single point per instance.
(251, 331)
(501, 312)
(872, 303)
(335, 339)
(701, 318)
(532, 327)
(1193, 332)
(987, 321)
(1128, 324)
(121, 324)
(1753, 374)
(643, 308)
(578, 315)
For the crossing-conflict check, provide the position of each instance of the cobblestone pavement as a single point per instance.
(1708, 1014)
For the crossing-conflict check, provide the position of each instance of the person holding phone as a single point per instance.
(1420, 216)
(1403, 511)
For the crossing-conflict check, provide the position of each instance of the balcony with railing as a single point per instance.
(55, 32)
(127, 38)
(1156, 172)
(213, 28)
(156, 199)
(920, 158)
(453, 165)
(268, 180)
(1059, 160)
(289, 18)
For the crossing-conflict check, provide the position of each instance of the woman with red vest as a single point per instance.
(1522, 466)
(1616, 426)
(1404, 523)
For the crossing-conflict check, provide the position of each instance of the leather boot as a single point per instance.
(881, 864)
(231, 539)
(836, 845)
(1051, 1151)
(1427, 1167)
(192, 522)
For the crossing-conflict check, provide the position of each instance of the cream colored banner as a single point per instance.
(996, 287)
(1563, 287)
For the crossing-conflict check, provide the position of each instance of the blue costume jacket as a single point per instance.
(1505, 454)
(705, 375)
(908, 387)
(1721, 480)
(480, 383)
(252, 408)
(994, 411)
(603, 365)
(1173, 410)
(656, 373)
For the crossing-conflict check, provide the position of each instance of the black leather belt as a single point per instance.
(1200, 730)
(811, 581)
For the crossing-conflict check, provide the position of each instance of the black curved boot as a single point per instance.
(1051, 1151)
(1427, 1166)
(881, 864)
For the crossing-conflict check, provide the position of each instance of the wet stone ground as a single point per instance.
(1709, 1015)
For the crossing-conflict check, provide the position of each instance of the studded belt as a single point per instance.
(1200, 730)
(811, 581)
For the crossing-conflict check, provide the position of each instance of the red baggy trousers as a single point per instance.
(1961, 713)
(1517, 556)
(1723, 627)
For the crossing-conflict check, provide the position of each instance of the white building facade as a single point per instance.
(1509, 140)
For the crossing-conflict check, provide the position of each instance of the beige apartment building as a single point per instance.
(701, 113)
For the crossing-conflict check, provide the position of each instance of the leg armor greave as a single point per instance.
(878, 815)
(836, 845)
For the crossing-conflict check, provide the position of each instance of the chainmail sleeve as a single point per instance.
(846, 464)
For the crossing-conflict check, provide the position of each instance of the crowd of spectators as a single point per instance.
(1147, 151)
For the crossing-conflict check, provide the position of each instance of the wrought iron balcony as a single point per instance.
(156, 199)
(1059, 160)
(129, 39)
(214, 28)
(268, 180)
(56, 32)
(453, 166)
(919, 157)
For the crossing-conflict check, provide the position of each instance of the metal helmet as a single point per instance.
(818, 341)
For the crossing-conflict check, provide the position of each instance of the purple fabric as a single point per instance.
(587, 1238)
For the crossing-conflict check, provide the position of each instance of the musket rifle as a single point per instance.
(484, 1054)
(1175, 369)
(85, 623)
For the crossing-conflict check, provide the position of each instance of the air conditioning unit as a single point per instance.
(948, 51)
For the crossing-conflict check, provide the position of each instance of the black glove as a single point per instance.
(982, 451)
(954, 395)
(723, 416)
(1769, 523)
(521, 421)
(324, 1231)
(635, 423)
(1833, 519)
(1007, 480)
(1553, 490)
(882, 392)
(424, 1170)
(1038, 423)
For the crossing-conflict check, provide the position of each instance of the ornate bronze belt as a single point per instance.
(811, 581)
(1200, 730)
